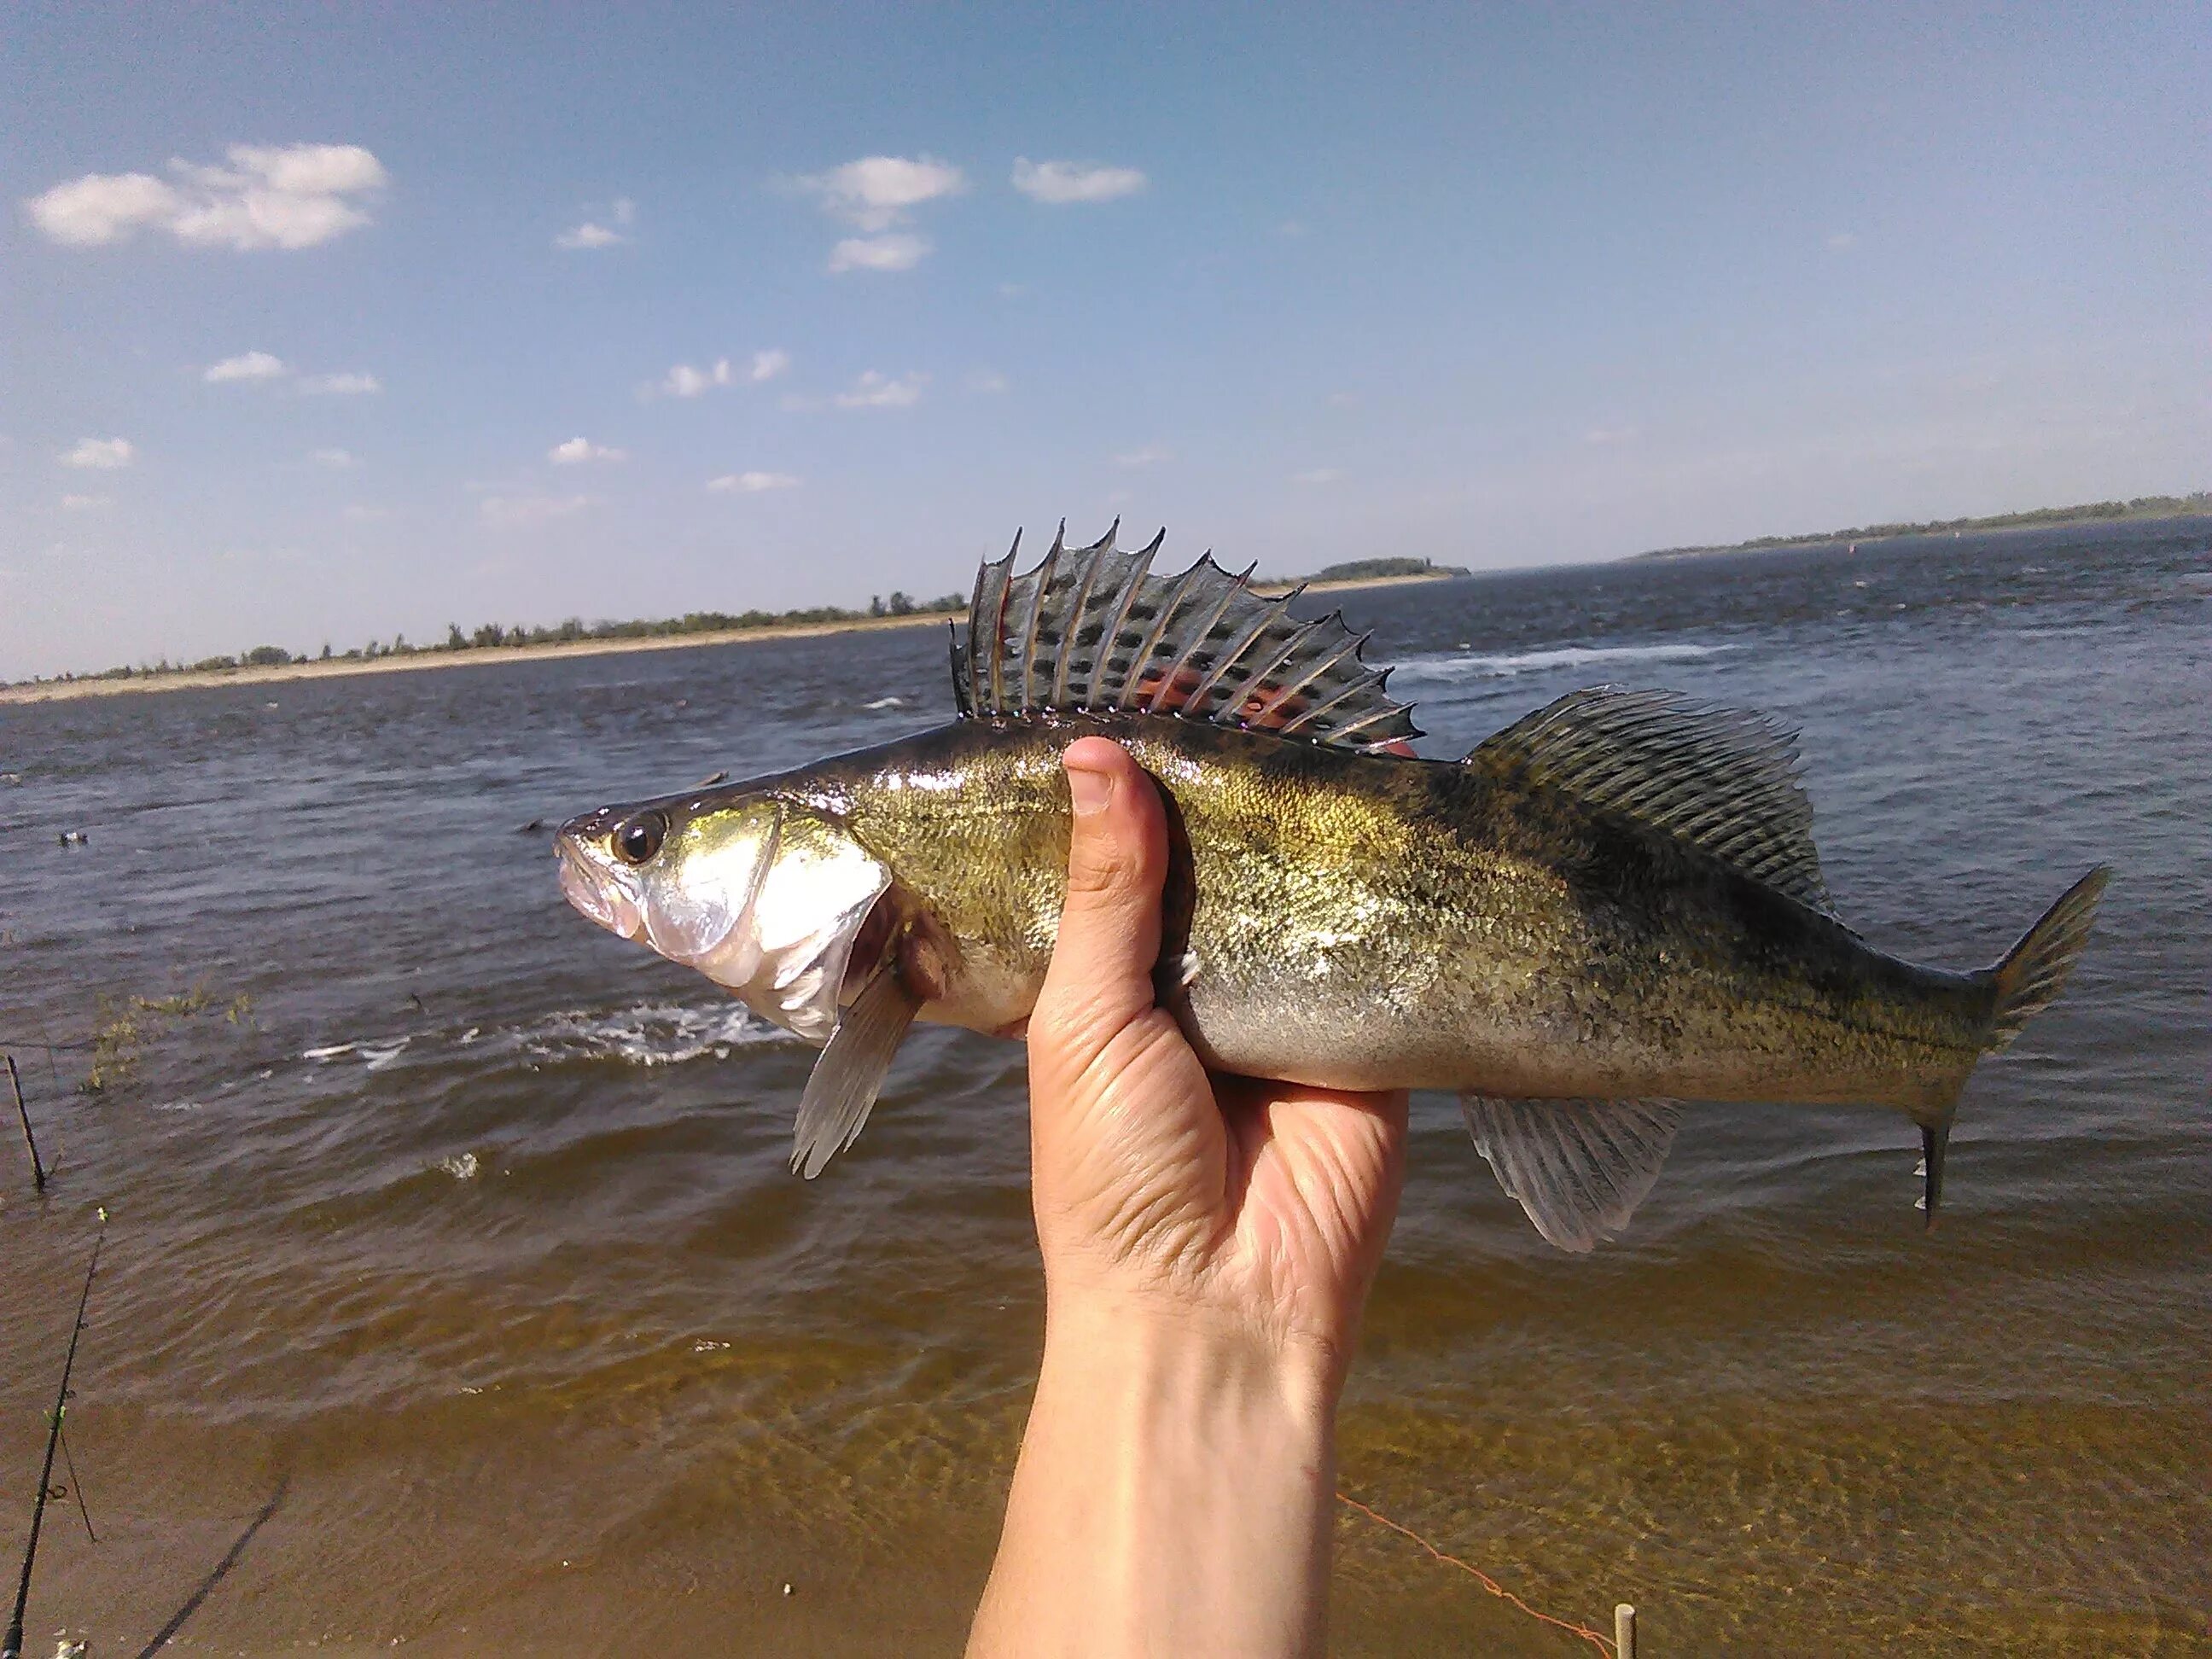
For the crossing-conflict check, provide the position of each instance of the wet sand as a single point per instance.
(339, 667)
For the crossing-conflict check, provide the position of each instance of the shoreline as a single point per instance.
(1881, 533)
(486, 656)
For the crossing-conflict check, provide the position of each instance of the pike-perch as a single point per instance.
(1609, 909)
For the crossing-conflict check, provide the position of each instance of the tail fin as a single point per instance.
(2034, 971)
(2026, 982)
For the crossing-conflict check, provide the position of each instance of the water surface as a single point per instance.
(471, 1246)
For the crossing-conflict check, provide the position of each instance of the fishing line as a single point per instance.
(77, 1487)
(11, 1646)
(1482, 1578)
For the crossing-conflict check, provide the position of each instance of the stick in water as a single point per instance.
(11, 1646)
(37, 1169)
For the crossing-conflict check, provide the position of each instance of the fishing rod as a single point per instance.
(11, 1646)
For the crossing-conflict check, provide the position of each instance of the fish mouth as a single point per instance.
(596, 893)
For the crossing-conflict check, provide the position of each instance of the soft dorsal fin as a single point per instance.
(1092, 628)
(1721, 779)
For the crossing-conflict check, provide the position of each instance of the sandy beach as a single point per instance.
(335, 667)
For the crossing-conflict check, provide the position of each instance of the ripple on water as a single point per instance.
(482, 1194)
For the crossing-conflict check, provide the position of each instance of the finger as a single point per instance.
(1101, 975)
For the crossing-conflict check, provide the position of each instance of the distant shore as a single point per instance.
(2143, 509)
(190, 679)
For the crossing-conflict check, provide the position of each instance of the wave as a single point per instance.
(649, 1034)
(374, 1053)
(1504, 665)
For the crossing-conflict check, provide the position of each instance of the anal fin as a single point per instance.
(1578, 1167)
(847, 1079)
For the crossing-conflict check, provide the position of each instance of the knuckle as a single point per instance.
(1101, 870)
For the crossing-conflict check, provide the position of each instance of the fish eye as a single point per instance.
(636, 840)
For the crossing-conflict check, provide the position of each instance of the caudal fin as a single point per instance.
(2034, 971)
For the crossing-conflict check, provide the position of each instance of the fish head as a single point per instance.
(765, 895)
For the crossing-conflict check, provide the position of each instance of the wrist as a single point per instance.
(1183, 1360)
(1189, 1465)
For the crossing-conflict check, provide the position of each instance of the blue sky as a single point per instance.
(1500, 286)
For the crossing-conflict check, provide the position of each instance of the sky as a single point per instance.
(324, 324)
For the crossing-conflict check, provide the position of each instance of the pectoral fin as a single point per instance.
(1578, 1167)
(846, 1079)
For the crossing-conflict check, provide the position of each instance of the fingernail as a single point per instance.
(1090, 791)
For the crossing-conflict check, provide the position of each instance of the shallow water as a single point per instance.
(472, 1241)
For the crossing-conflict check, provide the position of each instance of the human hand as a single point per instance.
(1208, 1245)
(1258, 1210)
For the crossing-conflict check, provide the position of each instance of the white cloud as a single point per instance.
(686, 381)
(879, 192)
(524, 512)
(355, 513)
(588, 235)
(1842, 239)
(577, 451)
(751, 484)
(1317, 475)
(1062, 182)
(292, 196)
(593, 234)
(897, 252)
(875, 391)
(988, 381)
(102, 208)
(341, 386)
(1150, 455)
(767, 365)
(246, 366)
(101, 454)
(333, 457)
(86, 503)
(1612, 435)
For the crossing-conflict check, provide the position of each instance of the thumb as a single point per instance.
(1101, 975)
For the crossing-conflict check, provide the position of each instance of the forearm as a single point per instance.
(1172, 1496)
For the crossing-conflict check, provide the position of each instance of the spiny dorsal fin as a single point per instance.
(1721, 779)
(1092, 628)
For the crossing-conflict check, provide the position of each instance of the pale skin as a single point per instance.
(1208, 1245)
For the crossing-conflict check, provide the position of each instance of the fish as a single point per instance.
(1607, 912)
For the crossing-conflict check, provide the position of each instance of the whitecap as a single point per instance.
(463, 1168)
(649, 1034)
(377, 1053)
(885, 702)
(1505, 665)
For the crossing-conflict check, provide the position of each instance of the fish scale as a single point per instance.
(1610, 909)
